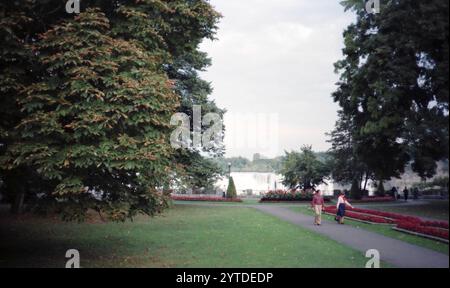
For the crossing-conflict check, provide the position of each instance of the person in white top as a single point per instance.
(341, 204)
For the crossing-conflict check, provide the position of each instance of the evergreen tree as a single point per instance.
(231, 189)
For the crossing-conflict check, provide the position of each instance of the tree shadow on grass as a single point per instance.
(32, 241)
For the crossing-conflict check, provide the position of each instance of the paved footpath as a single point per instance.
(395, 252)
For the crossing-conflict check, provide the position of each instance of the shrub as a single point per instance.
(293, 195)
(209, 199)
(231, 190)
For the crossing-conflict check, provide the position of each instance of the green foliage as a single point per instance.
(85, 100)
(15, 61)
(197, 172)
(88, 129)
(231, 190)
(394, 86)
(346, 165)
(303, 170)
(281, 195)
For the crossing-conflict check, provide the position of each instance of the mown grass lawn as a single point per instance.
(185, 236)
(385, 230)
(245, 201)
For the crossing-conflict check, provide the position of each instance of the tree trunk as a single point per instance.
(366, 181)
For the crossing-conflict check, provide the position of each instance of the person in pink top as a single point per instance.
(317, 204)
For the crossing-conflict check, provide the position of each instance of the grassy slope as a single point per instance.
(185, 236)
(386, 231)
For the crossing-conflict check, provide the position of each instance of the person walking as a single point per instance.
(406, 194)
(341, 206)
(394, 192)
(317, 204)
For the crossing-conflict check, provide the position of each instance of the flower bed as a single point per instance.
(436, 224)
(437, 229)
(390, 215)
(375, 199)
(427, 230)
(362, 217)
(201, 198)
(289, 196)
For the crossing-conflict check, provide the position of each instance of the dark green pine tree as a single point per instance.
(97, 123)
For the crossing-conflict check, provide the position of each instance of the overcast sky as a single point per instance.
(274, 58)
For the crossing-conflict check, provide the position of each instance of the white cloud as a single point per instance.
(276, 56)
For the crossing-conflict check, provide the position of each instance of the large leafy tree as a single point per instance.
(394, 85)
(168, 31)
(183, 26)
(87, 124)
(303, 169)
(16, 64)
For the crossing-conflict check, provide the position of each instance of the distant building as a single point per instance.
(261, 182)
(258, 182)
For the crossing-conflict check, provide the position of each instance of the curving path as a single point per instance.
(395, 252)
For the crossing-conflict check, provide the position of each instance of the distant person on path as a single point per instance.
(406, 194)
(318, 205)
(340, 206)
(394, 192)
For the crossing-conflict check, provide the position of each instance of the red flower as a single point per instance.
(432, 231)
(415, 224)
